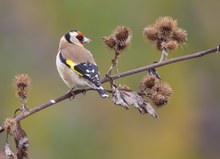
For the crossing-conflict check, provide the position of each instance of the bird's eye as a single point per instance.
(80, 37)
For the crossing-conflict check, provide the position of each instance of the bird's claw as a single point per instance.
(83, 91)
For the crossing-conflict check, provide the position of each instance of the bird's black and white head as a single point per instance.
(76, 37)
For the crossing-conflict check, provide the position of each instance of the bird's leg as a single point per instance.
(72, 91)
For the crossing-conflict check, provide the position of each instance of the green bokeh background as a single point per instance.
(89, 127)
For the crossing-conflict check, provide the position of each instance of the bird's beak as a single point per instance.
(86, 40)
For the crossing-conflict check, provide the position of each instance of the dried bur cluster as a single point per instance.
(117, 41)
(154, 89)
(165, 35)
(13, 127)
(22, 83)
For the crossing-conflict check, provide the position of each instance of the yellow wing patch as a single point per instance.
(71, 65)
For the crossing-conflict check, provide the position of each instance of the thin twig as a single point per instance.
(117, 76)
(114, 63)
(163, 54)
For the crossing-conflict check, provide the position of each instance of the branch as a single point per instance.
(117, 76)
(166, 62)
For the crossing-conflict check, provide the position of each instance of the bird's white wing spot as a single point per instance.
(53, 101)
(88, 75)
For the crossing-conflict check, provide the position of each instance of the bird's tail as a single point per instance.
(102, 92)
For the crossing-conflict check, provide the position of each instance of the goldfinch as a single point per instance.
(76, 64)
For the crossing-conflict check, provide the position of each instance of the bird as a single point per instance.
(76, 65)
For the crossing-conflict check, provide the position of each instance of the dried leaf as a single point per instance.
(126, 97)
(150, 109)
(21, 141)
(8, 152)
(118, 100)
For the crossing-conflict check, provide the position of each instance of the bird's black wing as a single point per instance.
(89, 71)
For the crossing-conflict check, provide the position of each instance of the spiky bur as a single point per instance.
(9, 124)
(156, 90)
(22, 83)
(147, 82)
(161, 94)
(117, 41)
(165, 35)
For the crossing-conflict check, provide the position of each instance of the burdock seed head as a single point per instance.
(161, 94)
(179, 35)
(165, 24)
(151, 33)
(109, 41)
(165, 34)
(119, 39)
(147, 82)
(171, 45)
(163, 88)
(22, 83)
(159, 100)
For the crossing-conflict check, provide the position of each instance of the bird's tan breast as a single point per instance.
(70, 78)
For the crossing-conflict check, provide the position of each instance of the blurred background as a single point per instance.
(89, 127)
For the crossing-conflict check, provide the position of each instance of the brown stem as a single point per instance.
(164, 53)
(117, 76)
(114, 63)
